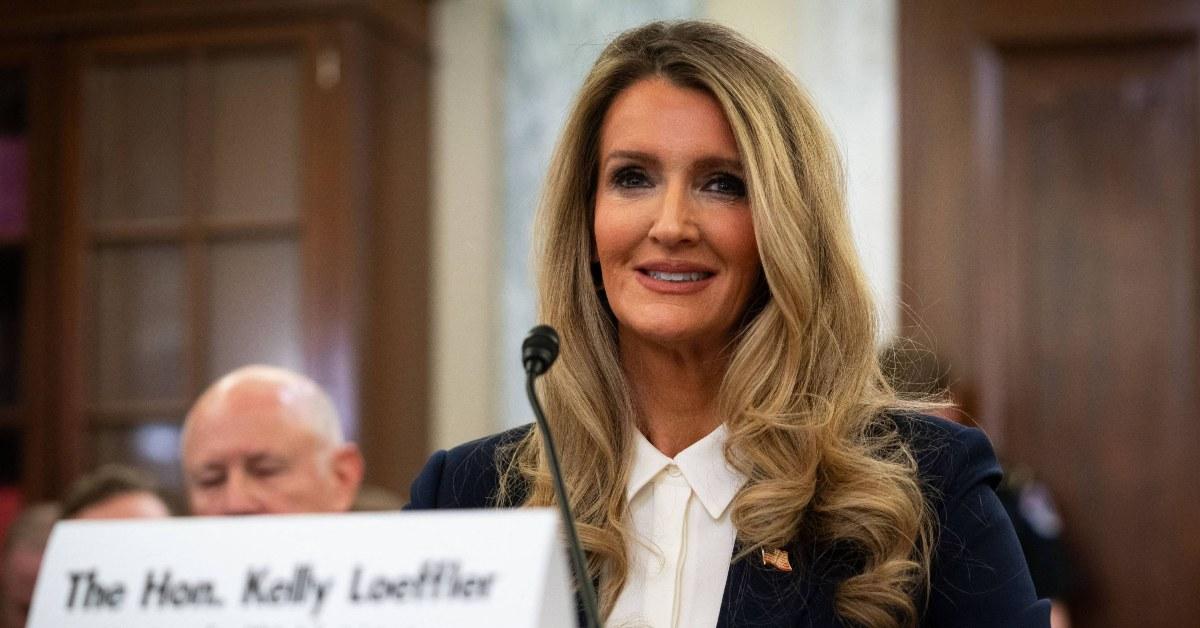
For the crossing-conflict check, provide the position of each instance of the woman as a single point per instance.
(717, 394)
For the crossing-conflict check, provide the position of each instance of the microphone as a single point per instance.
(538, 352)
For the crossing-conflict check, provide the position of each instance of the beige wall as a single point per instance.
(772, 24)
(467, 209)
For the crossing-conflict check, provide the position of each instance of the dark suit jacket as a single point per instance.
(979, 578)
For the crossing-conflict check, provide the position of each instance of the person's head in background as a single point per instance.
(917, 374)
(20, 559)
(115, 492)
(265, 440)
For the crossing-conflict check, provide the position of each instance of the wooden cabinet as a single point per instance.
(232, 185)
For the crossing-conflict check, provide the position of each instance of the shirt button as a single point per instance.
(673, 471)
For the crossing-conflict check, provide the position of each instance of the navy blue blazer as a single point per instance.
(979, 578)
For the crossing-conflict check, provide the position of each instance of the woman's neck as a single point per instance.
(674, 391)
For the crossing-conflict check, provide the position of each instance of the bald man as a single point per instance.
(265, 440)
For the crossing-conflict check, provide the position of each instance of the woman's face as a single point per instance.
(673, 231)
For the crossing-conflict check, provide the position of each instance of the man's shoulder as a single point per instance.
(465, 476)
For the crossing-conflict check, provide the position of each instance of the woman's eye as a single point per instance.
(630, 178)
(727, 185)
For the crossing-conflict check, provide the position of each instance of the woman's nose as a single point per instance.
(674, 222)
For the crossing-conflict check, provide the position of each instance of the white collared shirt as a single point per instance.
(683, 538)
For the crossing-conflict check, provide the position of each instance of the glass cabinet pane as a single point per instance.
(134, 140)
(139, 307)
(256, 134)
(255, 305)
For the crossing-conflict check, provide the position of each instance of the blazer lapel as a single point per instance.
(763, 595)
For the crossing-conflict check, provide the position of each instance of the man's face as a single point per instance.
(20, 574)
(246, 454)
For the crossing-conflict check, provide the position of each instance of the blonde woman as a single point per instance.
(732, 453)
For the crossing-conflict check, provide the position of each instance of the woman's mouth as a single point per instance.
(677, 277)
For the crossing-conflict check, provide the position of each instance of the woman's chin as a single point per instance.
(672, 335)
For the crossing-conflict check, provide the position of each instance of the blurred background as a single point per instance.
(346, 187)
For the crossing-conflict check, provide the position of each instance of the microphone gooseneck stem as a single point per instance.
(583, 580)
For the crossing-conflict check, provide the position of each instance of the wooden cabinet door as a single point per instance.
(1049, 173)
(201, 231)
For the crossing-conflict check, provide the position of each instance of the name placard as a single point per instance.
(369, 570)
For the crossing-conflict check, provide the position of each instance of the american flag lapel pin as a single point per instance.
(776, 558)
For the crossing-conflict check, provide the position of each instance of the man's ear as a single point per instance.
(347, 473)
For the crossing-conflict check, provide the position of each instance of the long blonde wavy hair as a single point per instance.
(803, 396)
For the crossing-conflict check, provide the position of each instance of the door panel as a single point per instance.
(1049, 199)
(1098, 170)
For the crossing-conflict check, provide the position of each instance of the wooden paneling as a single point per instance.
(396, 374)
(935, 227)
(404, 23)
(1049, 199)
(1099, 174)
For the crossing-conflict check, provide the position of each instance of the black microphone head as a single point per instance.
(539, 350)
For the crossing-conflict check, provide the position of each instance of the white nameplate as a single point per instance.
(370, 570)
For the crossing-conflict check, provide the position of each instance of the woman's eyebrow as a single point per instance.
(631, 155)
(720, 163)
(713, 162)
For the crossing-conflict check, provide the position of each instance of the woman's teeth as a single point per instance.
(676, 276)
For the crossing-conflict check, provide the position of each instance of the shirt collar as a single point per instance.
(702, 464)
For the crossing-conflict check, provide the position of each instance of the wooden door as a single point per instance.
(1049, 195)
